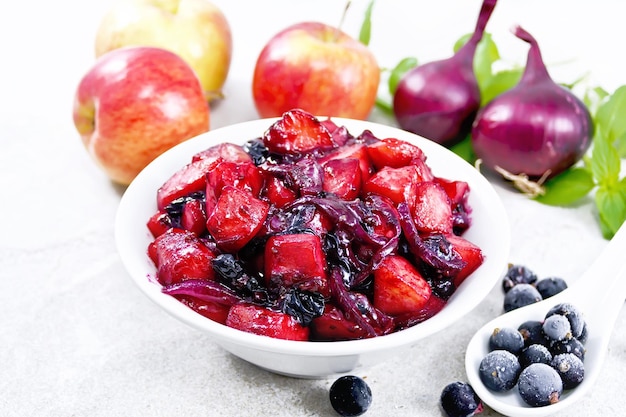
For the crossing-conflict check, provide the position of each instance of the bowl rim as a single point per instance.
(138, 265)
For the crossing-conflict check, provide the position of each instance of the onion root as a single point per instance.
(521, 182)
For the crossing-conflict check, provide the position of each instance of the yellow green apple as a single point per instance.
(196, 30)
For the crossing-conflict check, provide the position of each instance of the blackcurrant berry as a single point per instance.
(521, 295)
(350, 396)
(548, 287)
(570, 368)
(575, 317)
(557, 328)
(499, 370)
(532, 332)
(535, 354)
(458, 399)
(540, 384)
(506, 338)
(517, 274)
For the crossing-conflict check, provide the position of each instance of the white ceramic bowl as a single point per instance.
(490, 231)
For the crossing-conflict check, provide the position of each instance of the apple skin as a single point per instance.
(318, 68)
(135, 103)
(194, 29)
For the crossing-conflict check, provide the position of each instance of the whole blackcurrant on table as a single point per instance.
(350, 396)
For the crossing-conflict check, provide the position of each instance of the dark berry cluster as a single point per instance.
(523, 287)
(542, 357)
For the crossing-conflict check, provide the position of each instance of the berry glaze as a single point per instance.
(311, 233)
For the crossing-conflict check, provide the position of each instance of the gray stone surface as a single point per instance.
(79, 339)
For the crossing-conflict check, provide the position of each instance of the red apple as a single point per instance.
(134, 104)
(194, 29)
(318, 68)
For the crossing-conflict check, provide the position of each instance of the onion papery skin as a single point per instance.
(538, 128)
(439, 100)
(532, 130)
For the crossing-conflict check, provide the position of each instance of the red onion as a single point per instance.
(204, 290)
(439, 100)
(537, 129)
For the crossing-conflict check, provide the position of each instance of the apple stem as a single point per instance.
(343, 18)
(212, 96)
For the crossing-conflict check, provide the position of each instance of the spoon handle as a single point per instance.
(607, 278)
(604, 282)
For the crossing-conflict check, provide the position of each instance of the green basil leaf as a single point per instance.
(404, 66)
(567, 187)
(593, 97)
(620, 145)
(384, 105)
(605, 163)
(499, 83)
(572, 85)
(611, 205)
(486, 54)
(465, 150)
(610, 115)
(460, 42)
(365, 33)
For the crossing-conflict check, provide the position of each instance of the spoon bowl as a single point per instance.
(599, 294)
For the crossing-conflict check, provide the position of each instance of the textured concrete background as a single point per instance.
(77, 337)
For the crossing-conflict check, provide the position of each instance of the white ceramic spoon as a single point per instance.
(599, 294)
